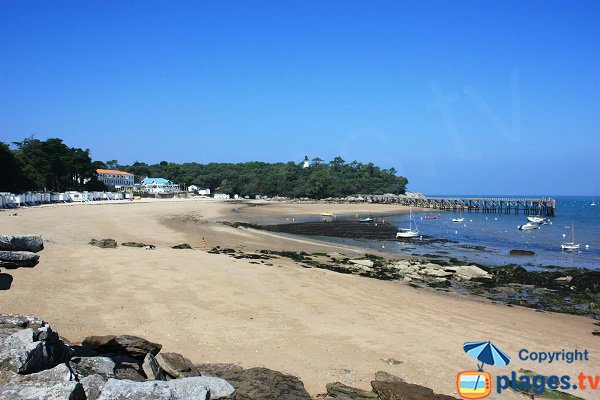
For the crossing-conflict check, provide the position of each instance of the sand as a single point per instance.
(319, 325)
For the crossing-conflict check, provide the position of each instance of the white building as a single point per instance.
(115, 178)
(202, 192)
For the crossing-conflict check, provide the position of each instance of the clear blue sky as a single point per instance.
(490, 97)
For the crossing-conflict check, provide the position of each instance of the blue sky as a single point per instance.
(489, 97)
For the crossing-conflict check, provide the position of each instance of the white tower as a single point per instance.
(305, 162)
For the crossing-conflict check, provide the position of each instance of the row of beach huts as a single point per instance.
(11, 200)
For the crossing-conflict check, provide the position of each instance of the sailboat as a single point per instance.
(570, 245)
(408, 232)
(593, 202)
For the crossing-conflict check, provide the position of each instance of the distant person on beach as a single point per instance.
(203, 243)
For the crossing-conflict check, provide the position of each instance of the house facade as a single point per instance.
(115, 178)
(159, 185)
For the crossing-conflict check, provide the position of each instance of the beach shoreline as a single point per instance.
(317, 324)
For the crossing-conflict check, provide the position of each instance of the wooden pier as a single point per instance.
(498, 205)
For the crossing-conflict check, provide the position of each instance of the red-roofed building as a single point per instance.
(115, 178)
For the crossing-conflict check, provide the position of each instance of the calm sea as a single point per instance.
(488, 238)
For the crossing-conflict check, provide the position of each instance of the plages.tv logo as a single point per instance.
(478, 384)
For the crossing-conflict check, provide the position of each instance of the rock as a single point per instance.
(104, 243)
(151, 390)
(338, 390)
(258, 383)
(43, 391)
(25, 359)
(392, 361)
(16, 259)
(151, 368)
(32, 243)
(525, 253)
(133, 244)
(176, 366)
(92, 386)
(383, 376)
(128, 345)
(60, 373)
(405, 391)
(86, 366)
(362, 263)
(468, 272)
(182, 246)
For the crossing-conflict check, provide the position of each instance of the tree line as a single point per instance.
(320, 180)
(51, 165)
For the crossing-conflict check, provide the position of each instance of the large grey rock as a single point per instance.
(338, 390)
(86, 366)
(92, 386)
(405, 391)
(151, 368)
(15, 259)
(151, 390)
(60, 373)
(219, 388)
(176, 366)
(258, 383)
(43, 391)
(32, 350)
(33, 243)
(23, 360)
(128, 345)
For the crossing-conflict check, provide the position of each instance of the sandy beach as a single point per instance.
(318, 325)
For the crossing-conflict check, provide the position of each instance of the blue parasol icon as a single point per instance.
(487, 353)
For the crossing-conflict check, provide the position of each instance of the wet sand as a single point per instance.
(319, 325)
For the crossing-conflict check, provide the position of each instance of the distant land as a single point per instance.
(51, 165)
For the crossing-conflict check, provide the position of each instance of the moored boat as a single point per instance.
(570, 245)
(528, 226)
(408, 232)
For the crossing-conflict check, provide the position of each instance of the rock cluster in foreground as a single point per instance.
(35, 363)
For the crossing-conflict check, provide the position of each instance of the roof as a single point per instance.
(156, 180)
(112, 171)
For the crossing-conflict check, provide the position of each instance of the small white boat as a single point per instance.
(461, 219)
(528, 226)
(536, 219)
(593, 202)
(366, 220)
(325, 214)
(408, 232)
(570, 245)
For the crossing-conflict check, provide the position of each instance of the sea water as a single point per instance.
(488, 238)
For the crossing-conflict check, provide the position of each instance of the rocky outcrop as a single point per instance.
(104, 243)
(16, 259)
(339, 390)
(127, 345)
(31, 243)
(258, 383)
(182, 246)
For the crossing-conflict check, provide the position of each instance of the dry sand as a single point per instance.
(319, 325)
